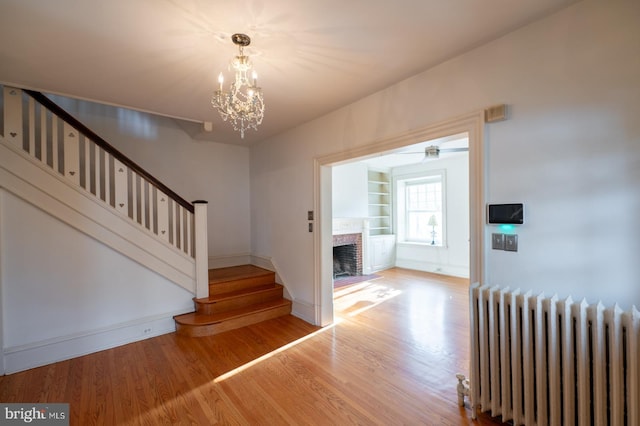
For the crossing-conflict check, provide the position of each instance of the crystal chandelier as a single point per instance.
(243, 104)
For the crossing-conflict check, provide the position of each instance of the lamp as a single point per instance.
(243, 104)
(433, 222)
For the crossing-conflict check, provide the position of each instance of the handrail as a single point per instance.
(54, 108)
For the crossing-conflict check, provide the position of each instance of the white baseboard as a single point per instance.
(304, 310)
(62, 348)
(436, 268)
(265, 263)
(229, 260)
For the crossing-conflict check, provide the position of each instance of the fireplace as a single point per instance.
(347, 255)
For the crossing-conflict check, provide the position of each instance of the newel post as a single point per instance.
(202, 248)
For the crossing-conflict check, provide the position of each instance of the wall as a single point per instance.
(570, 151)
(453, 258)
(195, 170)
(350, 191)
(65, 294)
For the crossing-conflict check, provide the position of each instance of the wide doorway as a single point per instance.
(379, 225)
(408, 208)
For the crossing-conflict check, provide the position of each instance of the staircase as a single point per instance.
(238, 296)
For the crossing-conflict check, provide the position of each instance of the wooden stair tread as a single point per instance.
(195, 318)
(238, 293)
(233, 273)
(238, 296)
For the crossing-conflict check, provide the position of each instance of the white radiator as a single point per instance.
(543, 361)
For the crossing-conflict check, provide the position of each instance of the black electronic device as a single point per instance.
(505, 213)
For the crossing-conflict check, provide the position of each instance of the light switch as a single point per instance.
(497, 241)
(511, 243)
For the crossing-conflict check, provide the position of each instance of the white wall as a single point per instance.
(65, 294)
(452, 258)
(350, 196)
(195, 170)
(570, 151)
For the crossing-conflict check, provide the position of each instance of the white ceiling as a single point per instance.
(312, 57)
(415, 154)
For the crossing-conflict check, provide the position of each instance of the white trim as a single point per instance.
(23, 178)
(202, 250)
(229, 260)
(473, 125)
(265, 263)
(2, 309)
(303, 310)
(24, 357)
(460, 271)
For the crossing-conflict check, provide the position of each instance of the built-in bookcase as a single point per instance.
(379, 202)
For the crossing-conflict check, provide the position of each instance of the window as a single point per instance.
(421, 217)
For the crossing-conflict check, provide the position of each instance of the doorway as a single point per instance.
(472, 125)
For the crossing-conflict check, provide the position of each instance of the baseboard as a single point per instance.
(269, 264)
(229, 260)
(304, 310)
(436, 268)
(62, 348)
(265, 263)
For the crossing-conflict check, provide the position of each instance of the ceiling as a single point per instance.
(312, 57)
(415, 154)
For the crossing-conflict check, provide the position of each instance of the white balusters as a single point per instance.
(13, 116)
(89, 165)
(188, 233)
(42, 141)
(71, 154)
(31, 111)
(162, 207)
(108, 178)
(55, 150)
(120, 187)
(97, 171)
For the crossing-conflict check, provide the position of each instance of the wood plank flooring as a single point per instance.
(390, 359)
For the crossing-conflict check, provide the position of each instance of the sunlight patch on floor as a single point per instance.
(266, 356)
(356, 299)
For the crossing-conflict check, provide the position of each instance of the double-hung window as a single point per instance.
(423, 210)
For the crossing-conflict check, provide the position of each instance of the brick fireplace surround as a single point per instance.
(346, 239)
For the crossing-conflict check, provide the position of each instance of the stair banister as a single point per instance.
(56, 140)
(64, 115)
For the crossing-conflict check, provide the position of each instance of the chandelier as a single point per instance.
(243, 104)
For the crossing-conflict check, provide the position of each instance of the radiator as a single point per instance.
(542, 361)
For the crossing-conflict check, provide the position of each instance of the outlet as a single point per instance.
(147, 330)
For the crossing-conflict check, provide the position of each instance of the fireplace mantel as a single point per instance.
(350, 225)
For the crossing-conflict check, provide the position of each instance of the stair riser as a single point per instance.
(232, 324)
(241, 284)
(240, 301)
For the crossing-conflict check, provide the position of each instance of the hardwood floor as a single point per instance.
(391, 358)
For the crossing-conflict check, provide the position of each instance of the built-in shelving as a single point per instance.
(379, 187)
